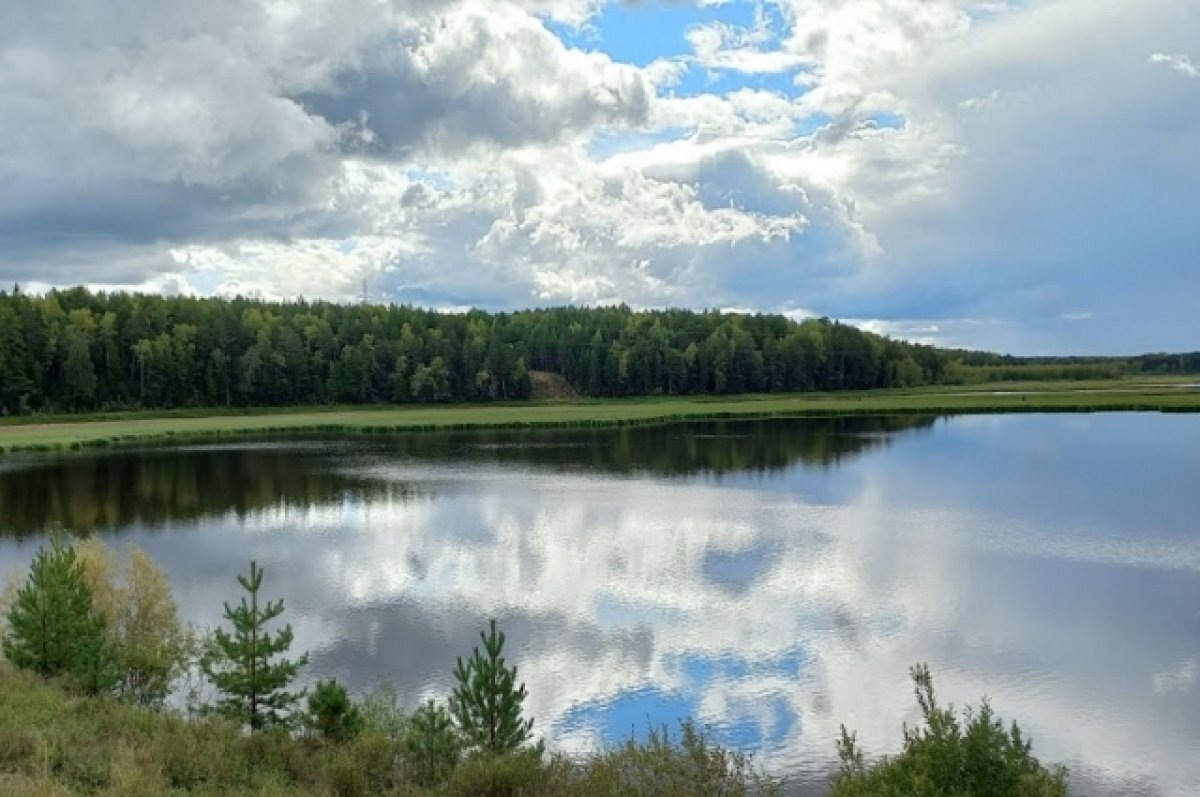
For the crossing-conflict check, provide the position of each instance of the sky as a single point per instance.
(1013, 175)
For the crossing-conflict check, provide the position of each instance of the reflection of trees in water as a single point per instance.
(118, 489)
(719, 447)
(114, 489)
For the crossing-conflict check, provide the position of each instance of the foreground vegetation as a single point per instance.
(77, 351)
(56, 743)
(62, 432)
(91, 657)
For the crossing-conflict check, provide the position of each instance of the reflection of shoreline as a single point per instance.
(193, 481)
(719, 447)
(152, 488)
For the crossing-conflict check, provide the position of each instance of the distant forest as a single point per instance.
(79, 351)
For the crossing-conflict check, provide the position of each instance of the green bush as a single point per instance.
(199, 755)
(522, 772)
(343, 777)
(275, 750)
(689, 765)
(431, 746)
(976, 757)
(332, 714)
(382, 713)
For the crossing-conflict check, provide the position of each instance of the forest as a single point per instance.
(79, 351)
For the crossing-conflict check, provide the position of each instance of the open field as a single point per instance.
(1168, 394)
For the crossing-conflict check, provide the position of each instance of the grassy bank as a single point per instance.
(82, 712)
(63, 432)
(54, 743)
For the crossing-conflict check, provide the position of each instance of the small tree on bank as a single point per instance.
(52, 626)
(430, 748)
(152, 647)
(243, 665)
(332, 714)
(974, 757)
(486, 704)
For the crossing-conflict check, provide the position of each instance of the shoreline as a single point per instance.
(58, 433)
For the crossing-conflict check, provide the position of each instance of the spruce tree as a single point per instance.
(486, 704)
(52, 627)
(243, 665)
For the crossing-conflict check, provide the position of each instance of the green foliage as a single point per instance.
(974, 757)
(50, 744)
(77, 351)
(689, 765)
(431, 747)
(240, 664)
(54, 743)
(151, 645)
(97, 669)
(52, 628)
(487, 701)
(332, 714)
(1031, 370)
(513, 774)
(382, 713)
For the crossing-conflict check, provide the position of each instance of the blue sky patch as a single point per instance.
(630, 714)
(702, 80)
(889, 120)
(640, 33)
(645, 32)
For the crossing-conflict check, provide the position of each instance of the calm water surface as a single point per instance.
(773, 579)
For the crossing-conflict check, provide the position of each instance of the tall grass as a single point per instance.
(56, 743)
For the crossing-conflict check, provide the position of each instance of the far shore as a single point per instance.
(57, 432)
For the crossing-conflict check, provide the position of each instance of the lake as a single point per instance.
(772, 579)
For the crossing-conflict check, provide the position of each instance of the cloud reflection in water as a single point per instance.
(772, 601)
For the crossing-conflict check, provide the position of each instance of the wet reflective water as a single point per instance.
(773, 579)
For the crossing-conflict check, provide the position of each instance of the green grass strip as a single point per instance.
(62, 433)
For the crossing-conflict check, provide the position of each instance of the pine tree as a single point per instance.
(431, 747)
(52, 628)
(240, 664)
(332, 713)
(486, 703)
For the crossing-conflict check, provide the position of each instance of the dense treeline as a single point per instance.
(74, 351)
(974, 368)
(1159, 363)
